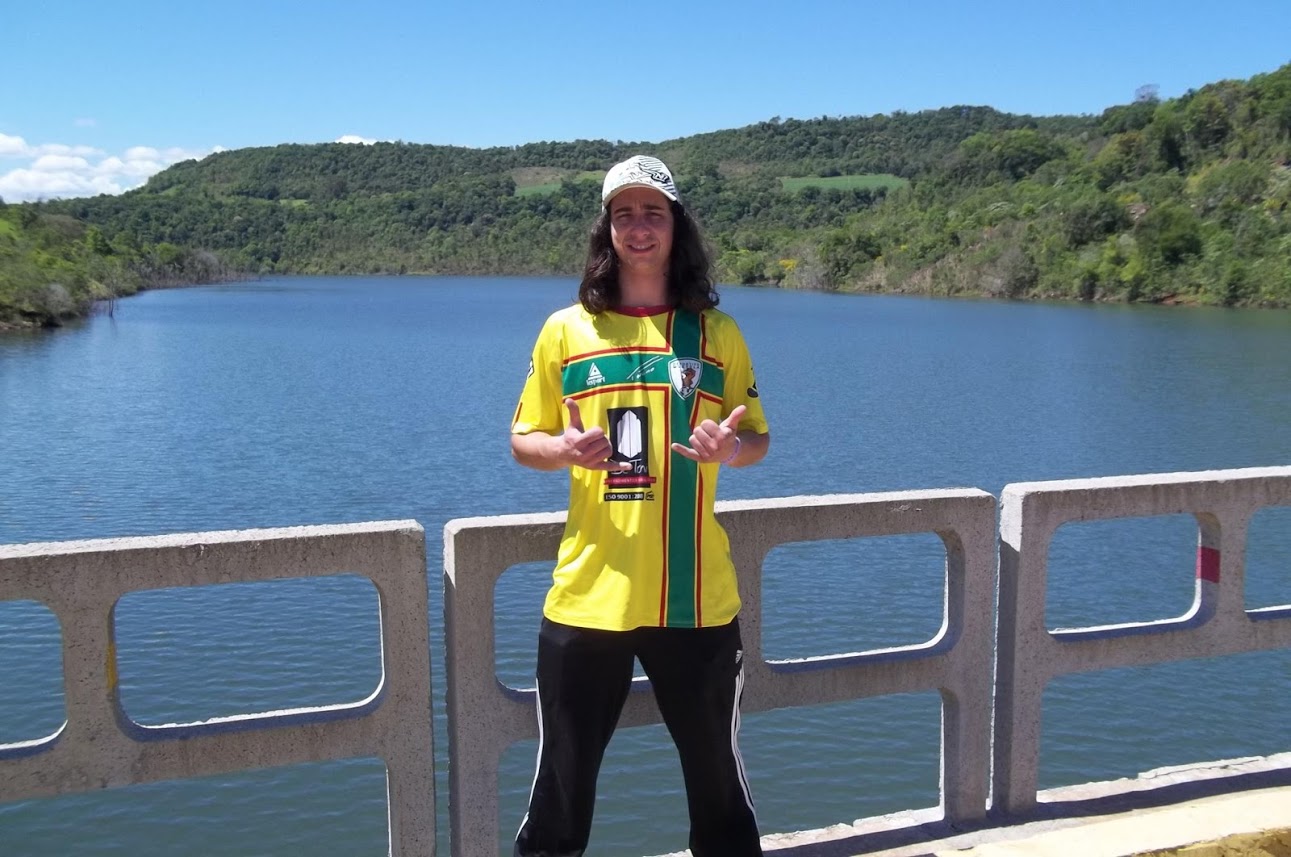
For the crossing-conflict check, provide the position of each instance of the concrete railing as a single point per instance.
(1030, 655)
(99, 746)
(485, 717)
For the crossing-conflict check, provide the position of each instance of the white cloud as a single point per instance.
(12, 147)
(355, 138)
(110, 165)
(142, 153)
(17, 147)
(23, 184)
(85, 122)
(60, 149)
(59, 163)
(59, 170)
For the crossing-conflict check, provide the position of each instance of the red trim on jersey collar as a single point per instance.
(642, 311)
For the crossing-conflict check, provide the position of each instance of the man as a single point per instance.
(644, 390)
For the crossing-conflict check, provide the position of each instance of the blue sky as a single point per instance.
(100, 95)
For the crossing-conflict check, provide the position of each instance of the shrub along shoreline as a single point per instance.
(54, 268)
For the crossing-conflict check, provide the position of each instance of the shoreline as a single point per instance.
(55, 323)
(1174, 300)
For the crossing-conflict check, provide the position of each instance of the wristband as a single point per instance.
(734, 452)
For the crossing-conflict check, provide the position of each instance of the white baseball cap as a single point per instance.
(638, 171)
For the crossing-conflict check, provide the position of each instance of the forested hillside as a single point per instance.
(396, 207)
(1187, 200)
(1183, 200)
(54, 267)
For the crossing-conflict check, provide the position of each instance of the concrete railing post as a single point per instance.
(1029, 655)
(101, 747)
(485, 717)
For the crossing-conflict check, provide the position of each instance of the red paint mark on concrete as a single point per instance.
(1208, 564)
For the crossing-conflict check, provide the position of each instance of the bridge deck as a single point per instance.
(1154, 813)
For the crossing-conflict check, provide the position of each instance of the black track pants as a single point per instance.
(583, 680)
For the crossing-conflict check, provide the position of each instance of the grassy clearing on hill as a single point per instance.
(550, 185)
(538, 189)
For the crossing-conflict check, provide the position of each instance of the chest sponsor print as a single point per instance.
(629, 434)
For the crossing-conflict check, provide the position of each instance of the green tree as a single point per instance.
(1170, 232)
(97, 243)
(1092, 216)
(1206, 121)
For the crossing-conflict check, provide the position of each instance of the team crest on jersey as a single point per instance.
(685, 372)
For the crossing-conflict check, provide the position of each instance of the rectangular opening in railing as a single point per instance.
(31, 662)
(854, 759)
(1119, 723)
(852, 595)
(194, 653)
(336, 807)
(518, 597)
(1268, 559)
(1124, 570)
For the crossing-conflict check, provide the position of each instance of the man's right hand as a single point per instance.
(589, 448)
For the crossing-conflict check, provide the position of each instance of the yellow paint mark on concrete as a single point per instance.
(112, 666)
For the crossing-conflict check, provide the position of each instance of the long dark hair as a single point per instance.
(690, 278)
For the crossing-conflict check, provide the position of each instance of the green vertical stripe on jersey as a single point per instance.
(683, 485)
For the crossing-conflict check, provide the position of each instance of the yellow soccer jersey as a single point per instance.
(641, 547)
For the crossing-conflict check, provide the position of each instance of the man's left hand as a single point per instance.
(712, 442)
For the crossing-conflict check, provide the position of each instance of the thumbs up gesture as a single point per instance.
(586, 448)
(711, 441)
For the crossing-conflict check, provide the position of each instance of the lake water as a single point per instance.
(321, 400)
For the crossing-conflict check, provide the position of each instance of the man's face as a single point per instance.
(641, 230)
